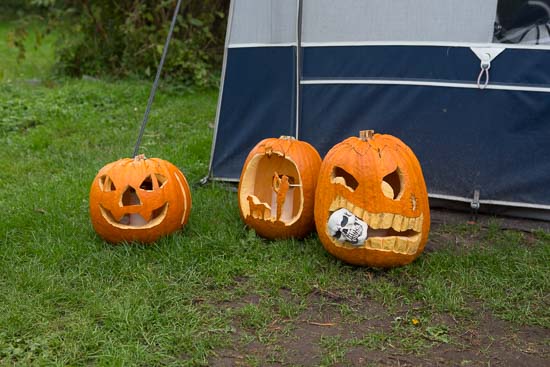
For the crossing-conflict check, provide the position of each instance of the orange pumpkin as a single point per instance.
(277, 188)
(371, 203)
(139, 200)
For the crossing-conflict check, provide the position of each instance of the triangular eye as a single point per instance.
(392, 185)
(161, 179)
(105, 184)
(343, 177)
(147, 184)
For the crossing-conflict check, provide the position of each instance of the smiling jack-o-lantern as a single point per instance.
(371, 202)
(139, 200)
(277, 188)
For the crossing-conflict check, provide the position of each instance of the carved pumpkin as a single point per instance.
(139, 200)
(371, 203)
(277, 188)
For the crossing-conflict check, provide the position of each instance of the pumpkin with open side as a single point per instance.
(139, 199)
(371, 202)
(277, 188)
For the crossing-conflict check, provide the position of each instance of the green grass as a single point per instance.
(67, 298)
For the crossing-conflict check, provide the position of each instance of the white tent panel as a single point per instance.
(263, 22)
(470, 21)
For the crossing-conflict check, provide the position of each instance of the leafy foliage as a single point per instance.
(126, 38)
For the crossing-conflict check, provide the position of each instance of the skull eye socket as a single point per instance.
(105, 184)
(392, 186)
(344, 221)
(343, 177)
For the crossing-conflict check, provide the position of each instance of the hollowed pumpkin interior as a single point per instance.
(130, 198)
(135, 220)
(271, 189)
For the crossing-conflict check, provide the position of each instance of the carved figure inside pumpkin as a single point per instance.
(274, 196)
(277, 188)
(282, 200)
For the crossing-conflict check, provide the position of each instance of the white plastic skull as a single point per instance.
(346, 227)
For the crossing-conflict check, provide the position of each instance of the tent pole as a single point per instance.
(299, 4)
(220, 93)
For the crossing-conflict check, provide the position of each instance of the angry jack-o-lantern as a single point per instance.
(277, 188)
(371, 203)
(139, 200)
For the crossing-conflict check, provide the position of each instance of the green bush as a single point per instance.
(17, 8)
(123, 38)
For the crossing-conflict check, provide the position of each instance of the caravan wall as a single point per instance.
(466, 84)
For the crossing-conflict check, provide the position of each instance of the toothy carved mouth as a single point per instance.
(387, 231)
(134, 220)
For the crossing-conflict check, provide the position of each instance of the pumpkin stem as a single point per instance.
(366, 135)
(139, 157)
(287, 137)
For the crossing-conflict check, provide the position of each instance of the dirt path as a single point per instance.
(371, 335)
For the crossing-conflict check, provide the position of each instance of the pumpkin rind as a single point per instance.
(379, 180)
(277, 188)
(139, 200)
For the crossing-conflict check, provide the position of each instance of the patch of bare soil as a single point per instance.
(482, 340)
(490, 343)
(486, 342)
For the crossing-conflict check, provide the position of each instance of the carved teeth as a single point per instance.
(343, 202)
(398, 222)
(375, 243)
(388, 243)
(418, 224)
(412, 223)
(405, 224)
(406, 244)
(387, 220)
(367, 218)
(358, 212)
(401, 245)
(378, 220)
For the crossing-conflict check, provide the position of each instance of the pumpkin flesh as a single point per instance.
(378, 181)
(139, 200)
(277, 188)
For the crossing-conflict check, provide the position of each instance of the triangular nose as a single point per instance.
(130, 197)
